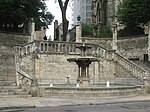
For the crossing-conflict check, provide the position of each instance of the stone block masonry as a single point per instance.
(54, 69)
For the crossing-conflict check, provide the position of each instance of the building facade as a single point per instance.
(83, 9)
(104, 12)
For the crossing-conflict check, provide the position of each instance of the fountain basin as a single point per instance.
(82, 59)
(94, 93)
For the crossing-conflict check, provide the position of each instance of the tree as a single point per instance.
(65, 22)
(134, 12)
(87, 30)
(16, 12)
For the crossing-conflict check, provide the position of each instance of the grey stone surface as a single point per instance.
(47, 101)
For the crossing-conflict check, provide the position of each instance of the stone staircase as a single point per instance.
(8, 87)
(143, 64)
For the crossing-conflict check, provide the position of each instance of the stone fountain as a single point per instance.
(82, 88)
(83, 63)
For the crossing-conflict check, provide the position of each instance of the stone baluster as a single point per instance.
(66, 51)
(55, 47)
(69, 47)
(41, 47)
(21, 51)
(44, 47)
(142, 74)
(64, 47)
(28, 49)
(46, 44)
(24, 51)
(88, 71)
(59, 47)
(133, 71)
(48, 47)
(52, 47)
(138, 74)
(104, 54)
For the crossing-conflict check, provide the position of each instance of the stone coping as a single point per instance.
(93, 88)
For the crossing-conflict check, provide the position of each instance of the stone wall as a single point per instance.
(40, 34)
(11, 39)
(129, 47)
(133, 47)
(53, 68)
(103, 42)
(27, 64)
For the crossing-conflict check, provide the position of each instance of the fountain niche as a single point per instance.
(83, 63)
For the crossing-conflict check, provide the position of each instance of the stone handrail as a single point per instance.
(57, 47)
(24, 49)
(135, 70)
(23, 78)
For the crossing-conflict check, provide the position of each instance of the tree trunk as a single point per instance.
(65, 22)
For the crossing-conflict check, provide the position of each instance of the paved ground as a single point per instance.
(46, 101)
(114, 107)
(71, 105)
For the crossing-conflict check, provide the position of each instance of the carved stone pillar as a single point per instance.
(114, 42)
(78, 32)
(31, 28)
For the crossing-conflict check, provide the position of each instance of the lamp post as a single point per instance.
(78, 18)
(78, 29)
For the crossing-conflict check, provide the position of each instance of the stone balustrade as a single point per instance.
(24, 49)
(70, 48)
(135, 70)
(57, 47)
(24, 79)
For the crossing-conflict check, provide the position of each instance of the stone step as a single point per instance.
(15, 96)
(14, 93)
(11, 90)
(7, 77)
(7, 83)
(8, 87)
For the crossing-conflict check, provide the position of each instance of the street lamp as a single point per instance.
(78, 18)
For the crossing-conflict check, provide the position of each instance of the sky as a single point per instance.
(55, 10)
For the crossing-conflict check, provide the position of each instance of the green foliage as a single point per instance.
(134, 11)
(87, 30)
(104, 32)
(130, 32)
(16, 12)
